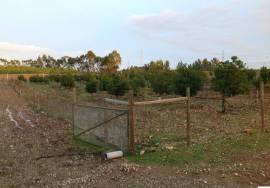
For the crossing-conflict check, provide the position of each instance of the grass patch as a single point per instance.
(86, 146)
(216, 151)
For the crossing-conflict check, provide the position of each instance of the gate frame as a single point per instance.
(123, 112)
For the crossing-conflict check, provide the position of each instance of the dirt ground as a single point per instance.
(37, 151)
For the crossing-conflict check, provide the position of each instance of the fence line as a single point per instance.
(147, 118)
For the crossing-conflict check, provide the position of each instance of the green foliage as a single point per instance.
(84, 77)
(264, 74)
(251, 74)
(159, 76)
(91, 86)
(162, 82)
(67, 81)
(188, 77)
(231, 78)
(22, 78)
(104, 81)
(54, 77)
(111, 62)
(33, 70)
(136, 79)
(38, 79)
(118, 85)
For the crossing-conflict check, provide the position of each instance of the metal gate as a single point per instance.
(101, 126)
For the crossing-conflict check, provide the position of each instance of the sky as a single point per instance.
(140, 30)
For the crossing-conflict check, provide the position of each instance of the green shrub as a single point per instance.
(22, 78)
(36, 78)
(264, 74)
(231, 78)
(91, 86)
(118, 86)
(162, 82)
(136, 82)
(84, 77)
(188, 77)
(67, 81)
(54, 77)
(104, 82)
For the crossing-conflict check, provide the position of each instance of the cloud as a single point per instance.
(21, 51)
(262, 16)
(236, 26)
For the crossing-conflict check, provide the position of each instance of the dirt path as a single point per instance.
(27, 135)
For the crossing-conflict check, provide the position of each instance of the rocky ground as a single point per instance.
(37, 151)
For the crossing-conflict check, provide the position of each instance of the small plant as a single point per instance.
(118, 86)
(67, 81)
(54, 77)
(84, 77)
(22, 78)
(36, 78)
(91, 86)
(104, 81)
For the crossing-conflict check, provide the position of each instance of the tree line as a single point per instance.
(88, 62)
(231, 77)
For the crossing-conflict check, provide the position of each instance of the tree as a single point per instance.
(160, 76)
(39, 62)
(188, 77)
(104, 81)
(67, 81)
(230, 79)
(90, 62)
(264, 74)
(91, 86)
(136, 81)
(111, 62)
(118, 85)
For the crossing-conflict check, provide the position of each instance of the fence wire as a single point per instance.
(102, 126)
(165, 123)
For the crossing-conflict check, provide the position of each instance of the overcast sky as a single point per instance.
(141, 30)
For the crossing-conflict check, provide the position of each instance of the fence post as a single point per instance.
(73, 108)
(74, 93)
(47, 102)
(131, 122)
(188, 115)
(262, 104)
(223, 107)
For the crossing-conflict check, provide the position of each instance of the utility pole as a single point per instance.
(222, 55)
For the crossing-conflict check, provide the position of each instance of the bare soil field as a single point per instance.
(38, 151)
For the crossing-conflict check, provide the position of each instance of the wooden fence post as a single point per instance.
(74, 93)
(262, 105)
(131, 122)
(47, 103)
(223, 107)
(188, 115)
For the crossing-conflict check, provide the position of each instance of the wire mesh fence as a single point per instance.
(101, 126)
(163, 123)
(166, 124)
